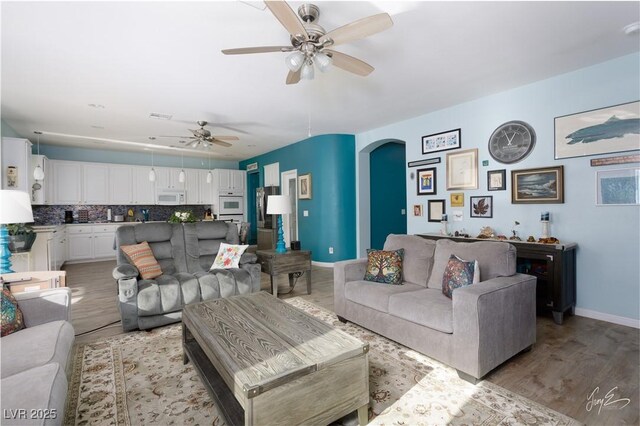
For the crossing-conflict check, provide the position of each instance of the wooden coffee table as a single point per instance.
(265, 362)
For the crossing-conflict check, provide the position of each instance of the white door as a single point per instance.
(95, 188)
(143, 188)
(80, 246)
(120, 186)
(289, 186)
(192, 188)
(67, 179)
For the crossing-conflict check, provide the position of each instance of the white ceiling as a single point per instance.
(135, 58)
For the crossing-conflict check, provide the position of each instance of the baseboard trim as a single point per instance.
(322, 264)
(615, 319)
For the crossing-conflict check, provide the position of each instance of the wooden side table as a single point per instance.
(292, 262)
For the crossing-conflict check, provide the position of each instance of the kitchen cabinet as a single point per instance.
(91, 242)
(16, 153)
(192, 186)
(67, 181)
(120, 184)
(42, 195)
(206, 188)
(144, 191)
(229, 182)
(58, 249)
(49, 251)
(167, 177)
(95, 187)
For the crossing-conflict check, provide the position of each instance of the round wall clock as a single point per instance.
(511, 142)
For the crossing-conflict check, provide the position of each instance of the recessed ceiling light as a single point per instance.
(159, 116)
(632, 29)
(152, 138)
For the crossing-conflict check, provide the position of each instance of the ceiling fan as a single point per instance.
(310, 42)
(203, 137)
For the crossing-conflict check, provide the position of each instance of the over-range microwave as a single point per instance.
(170, 196)
(230, 204)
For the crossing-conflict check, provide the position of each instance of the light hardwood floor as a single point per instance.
(567, 364)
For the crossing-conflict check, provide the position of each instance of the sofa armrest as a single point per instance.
(128, 302)
(343, 272)
(255, 271)
(125, 271)
(248, 258)
(39, 307)
(492, 321)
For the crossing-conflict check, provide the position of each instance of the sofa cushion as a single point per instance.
(375, 295)
(496, 259)
(384, 266)
(459, 273)
(12, 320)
(427, 307)
(36, 346)
(39, 388)
(228, 256)
(418, 256)
(143, 259)
(162, 295)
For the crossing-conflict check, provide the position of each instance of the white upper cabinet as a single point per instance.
(167, 177)
(67, 180)
(15, 158)
(206, 189)
(41, 194)
(120, 184)
(229, 182)
(95, 188)
(143, 188)
(192, 186)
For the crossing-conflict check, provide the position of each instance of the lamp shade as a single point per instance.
(278, 204)
(15, 207)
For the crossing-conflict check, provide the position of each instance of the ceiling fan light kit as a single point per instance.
(309, 41)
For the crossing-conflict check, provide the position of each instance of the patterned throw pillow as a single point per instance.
(459, 273)
(384, 266)
(142, 258)
(228, 256)
(12, 320)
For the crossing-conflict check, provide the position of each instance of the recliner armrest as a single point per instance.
(125, 271)
(248, 258)
(43, 306)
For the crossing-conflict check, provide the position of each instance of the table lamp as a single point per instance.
(15, 207)
(279, 205)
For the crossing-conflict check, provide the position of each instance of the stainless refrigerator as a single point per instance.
(266, 222)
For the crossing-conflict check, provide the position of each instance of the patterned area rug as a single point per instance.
(139, 379)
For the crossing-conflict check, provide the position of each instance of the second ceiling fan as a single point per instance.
(310, 42)
(204, 137)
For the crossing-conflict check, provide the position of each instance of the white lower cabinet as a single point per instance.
(91, 242)
(49, 251)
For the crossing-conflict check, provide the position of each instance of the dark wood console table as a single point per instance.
(554, 266)
(293, 262)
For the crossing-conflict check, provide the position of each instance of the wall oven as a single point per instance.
(231, 205)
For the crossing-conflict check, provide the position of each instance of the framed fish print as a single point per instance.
(599, 131)
(537, 186)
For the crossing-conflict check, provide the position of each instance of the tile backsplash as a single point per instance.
(53, 215)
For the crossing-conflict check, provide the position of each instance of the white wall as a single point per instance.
(608, 238)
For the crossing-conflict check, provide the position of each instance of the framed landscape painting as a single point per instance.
(537, 186)
(619, 187)
(600, 131)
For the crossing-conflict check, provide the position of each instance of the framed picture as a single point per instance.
(622, 159)
(497, 180)
(462, 169)
(618, 187)
(537, 186)
(417, 209)
(599, 131)
(457, 199)
(435, 210)
(481, 206)
(426, 181)
(451, 139)
(304, 187)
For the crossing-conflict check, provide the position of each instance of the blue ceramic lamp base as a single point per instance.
(280, 245)
(5, 253)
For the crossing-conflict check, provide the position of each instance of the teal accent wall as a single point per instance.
(332, 211)
(608, 237)
(388, 198)
(72, 153)
(8, 131)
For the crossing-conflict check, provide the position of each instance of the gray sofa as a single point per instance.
(482, 326)
(185, 253)
(36, 361)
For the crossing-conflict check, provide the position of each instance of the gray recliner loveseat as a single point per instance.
(185, 253)
(479, 328)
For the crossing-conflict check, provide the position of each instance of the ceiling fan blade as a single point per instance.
(221, 143)
(359, 29)
(287, 17)
(294, 76)
(262, 49)
(226, 138)
(349, 63)
(172, 136)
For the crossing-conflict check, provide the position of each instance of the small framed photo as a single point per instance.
(427, 181)
(457, 199)
(444, 141)
(538, 186)
(435, 210)
(618, 187)
(497, 180)
(417, 209)
(462, 169)
(304, 187)
(481, 206)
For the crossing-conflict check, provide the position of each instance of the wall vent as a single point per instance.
(159, 116)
